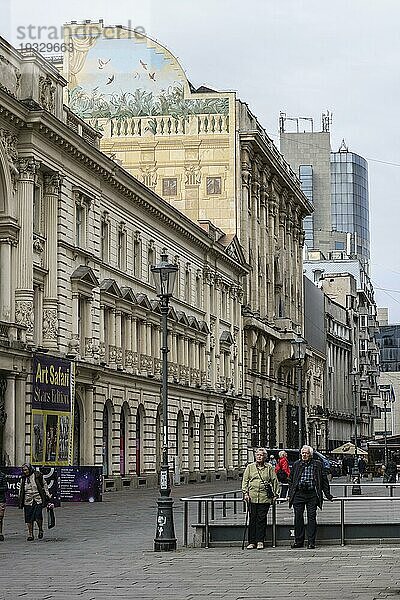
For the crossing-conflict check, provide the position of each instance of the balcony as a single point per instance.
(12, 335)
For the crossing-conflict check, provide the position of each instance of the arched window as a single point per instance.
(202, 444)
(216, 442)
(107, 438)
(123, 439)
(191, 441)
(78, 445)
(140, 416)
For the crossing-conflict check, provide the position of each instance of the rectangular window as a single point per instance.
(105, 242)
(339, 245)
(79, 225)
(170, 186)
(122, 249)
(214, 185)
(137, 257)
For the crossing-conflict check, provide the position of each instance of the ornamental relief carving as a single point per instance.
(27, 168)
(46, 92)
(24, 314)
(50, 324)
(10, 77)
(52, 184)
(192, 175)
(10, 142)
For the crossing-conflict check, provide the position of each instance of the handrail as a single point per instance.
(212, 499)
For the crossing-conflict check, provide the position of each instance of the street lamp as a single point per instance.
(299, 351)
(356, 489)
(164, 277)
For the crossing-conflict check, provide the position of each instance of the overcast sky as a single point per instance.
(300, 57)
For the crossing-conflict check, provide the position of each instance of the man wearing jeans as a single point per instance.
(307, 482)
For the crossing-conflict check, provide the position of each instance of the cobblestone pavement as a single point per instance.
(104, 550)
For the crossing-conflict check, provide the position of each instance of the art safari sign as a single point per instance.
(52, 411)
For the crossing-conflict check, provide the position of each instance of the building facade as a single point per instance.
(388, 339)
(206, 154)
(347, 283)
(78, 237)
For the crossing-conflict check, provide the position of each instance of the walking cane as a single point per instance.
(246, 523)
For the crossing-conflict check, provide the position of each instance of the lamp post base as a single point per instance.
(165, 539)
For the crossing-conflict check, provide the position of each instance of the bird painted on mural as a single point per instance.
(136, 75)
(103, 63)
(152, 76)
(144, 65)
(110, 79)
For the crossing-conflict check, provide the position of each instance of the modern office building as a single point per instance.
(337, 185)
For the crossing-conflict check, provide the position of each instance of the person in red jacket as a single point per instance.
(282, 471)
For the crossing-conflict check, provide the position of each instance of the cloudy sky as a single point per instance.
(297, 56)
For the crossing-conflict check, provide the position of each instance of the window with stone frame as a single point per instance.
(169, 186)
(213, 186)
(187, 284)
(199, 295)
(105, 238)
(137, 254)
(82, 206)
(151, 260)
(122, 247)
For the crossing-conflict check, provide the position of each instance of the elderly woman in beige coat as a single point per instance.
(260, 488)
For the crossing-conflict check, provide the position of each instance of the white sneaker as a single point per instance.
(260, 546)
(251, 547)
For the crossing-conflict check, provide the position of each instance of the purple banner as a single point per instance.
(13, 477)
(81, 484)
(66, 484)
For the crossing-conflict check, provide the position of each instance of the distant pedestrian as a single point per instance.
(272, 460)
(260, 488)
(3, 489)
(34, 495)
(362, 466)
(282, 471)
(307, 482)
(390, 475)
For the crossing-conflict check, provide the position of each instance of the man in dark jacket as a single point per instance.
(307, 483)
(3, 489)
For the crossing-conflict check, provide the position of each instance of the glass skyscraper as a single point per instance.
(349, 200)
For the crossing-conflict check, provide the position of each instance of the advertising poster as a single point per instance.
(81, 484)
(13, 477)
(52, 411)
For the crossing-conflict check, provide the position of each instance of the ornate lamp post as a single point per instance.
(164, 277)
(299, 353)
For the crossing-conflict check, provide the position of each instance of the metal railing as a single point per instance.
(228, 502)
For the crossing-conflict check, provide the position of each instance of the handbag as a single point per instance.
(267, 486)
(51, 518)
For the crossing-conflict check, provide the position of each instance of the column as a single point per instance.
(20, 412)
(102, 349)
(74, 342)
(9, 440)
(52, 186)
(24, 315)
(111, 338)
(88, 436)
(118, 338)
(5, 281)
